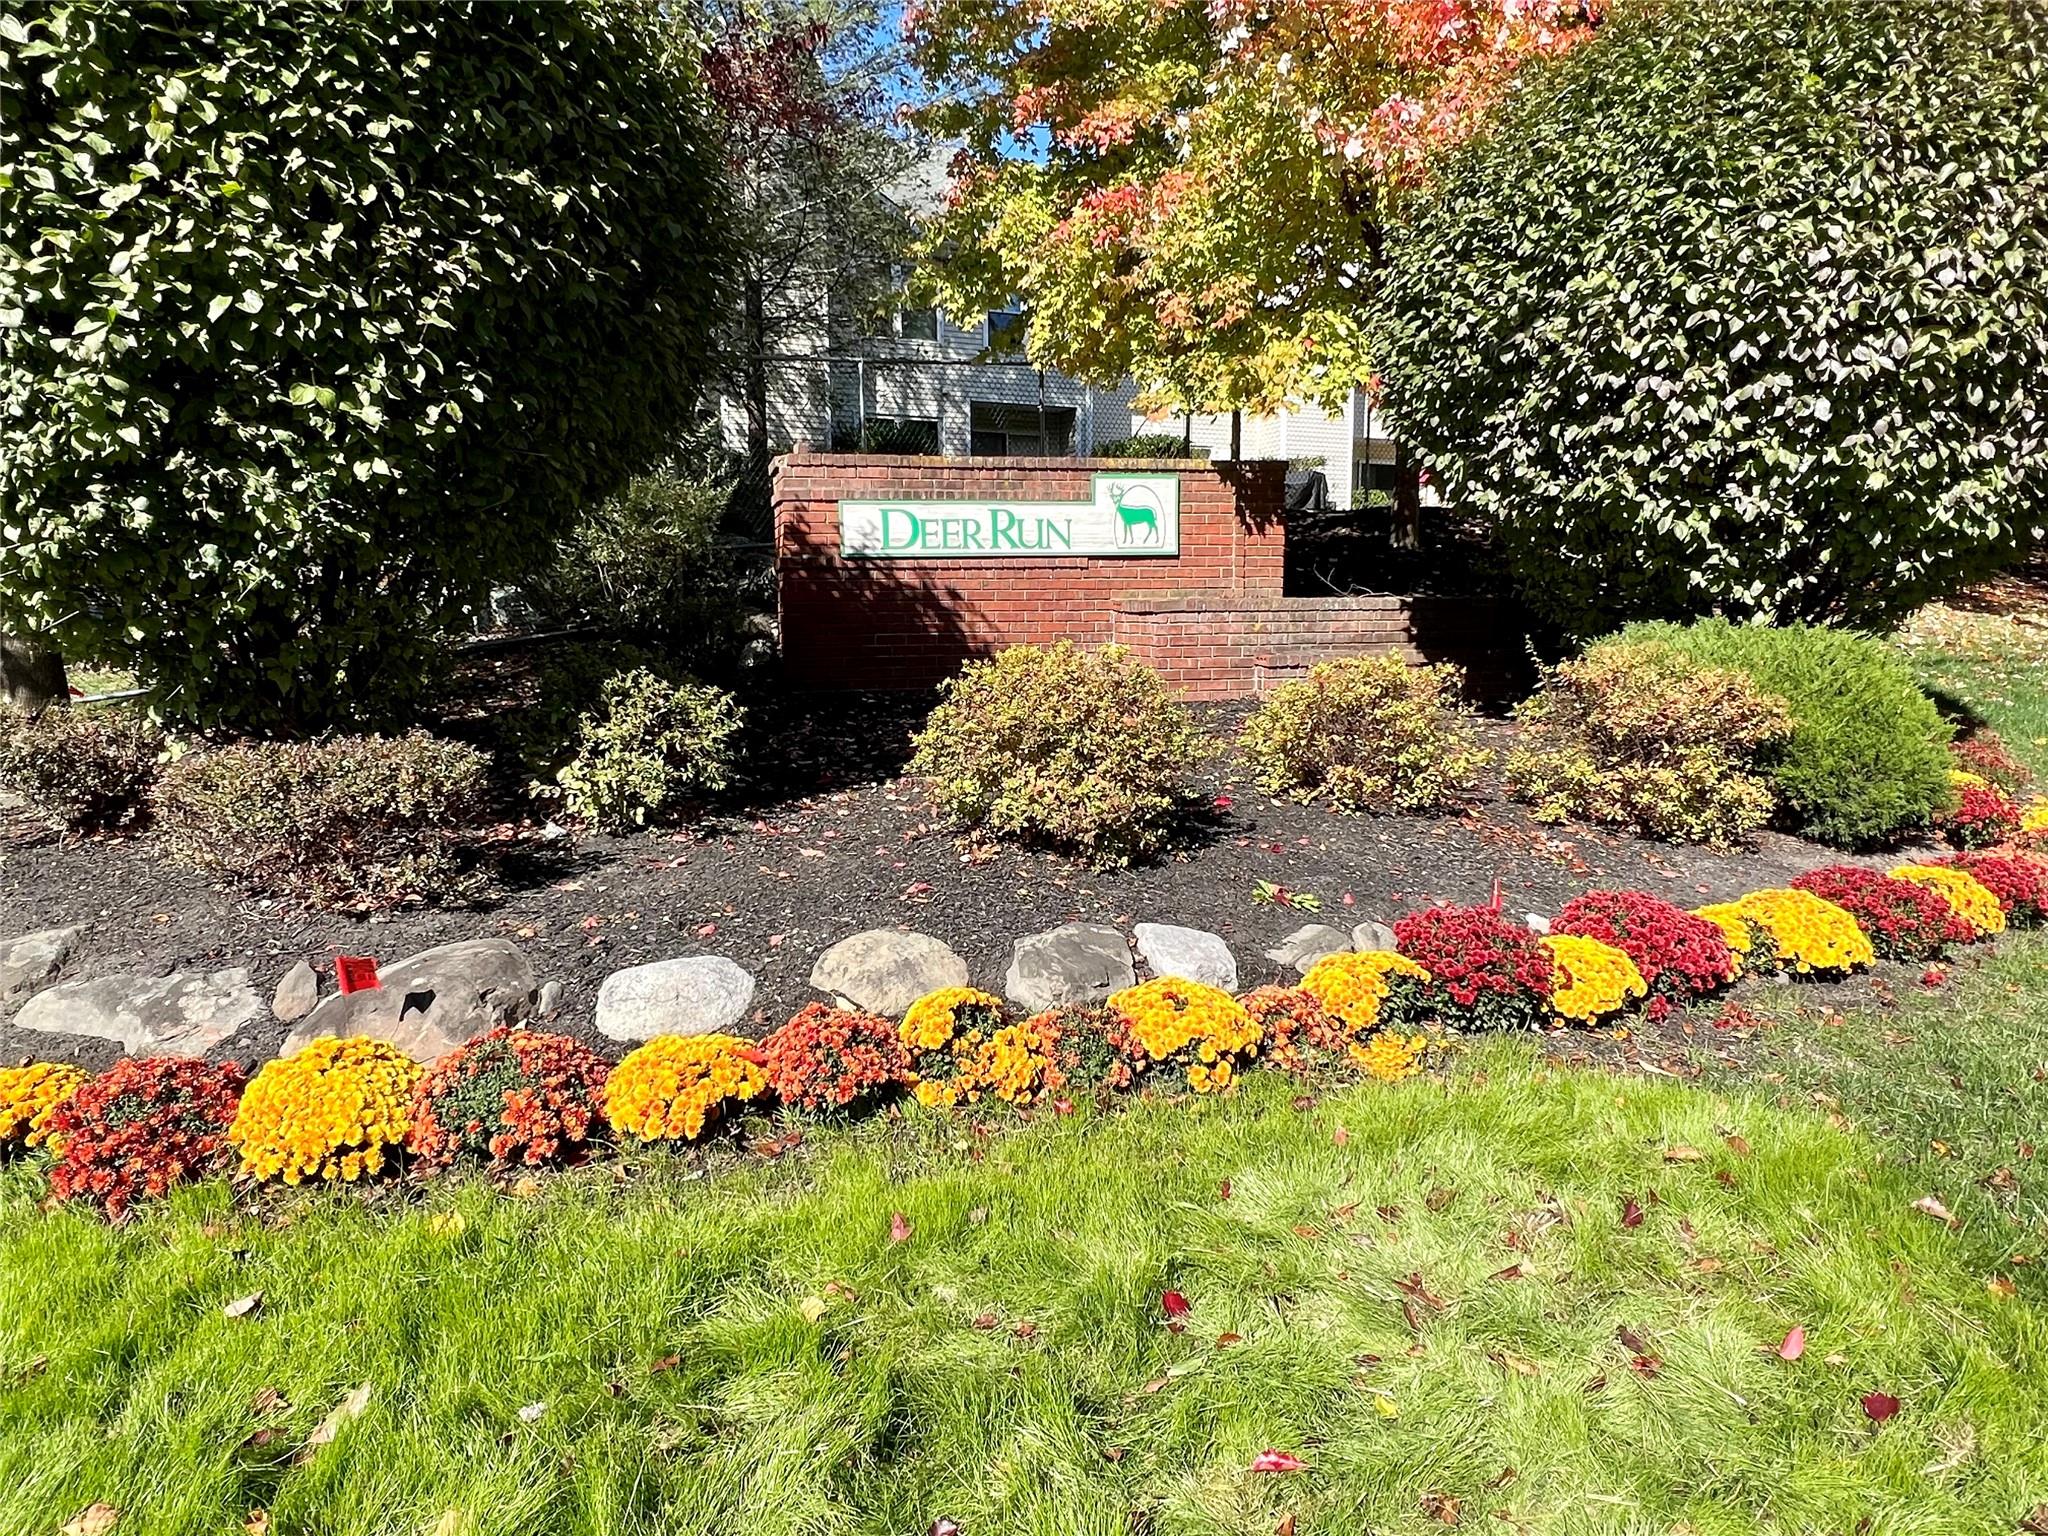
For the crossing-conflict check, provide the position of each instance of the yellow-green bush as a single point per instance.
(1367, 733)
(1083, 750)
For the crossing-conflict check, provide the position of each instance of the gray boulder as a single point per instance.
(550, 1002)
(1370, 936)
(1302, 948)
(690, 995)
(1073, 963)
(884, 971)
(429, 1003)
(186, 1013)
(1537, 922)
(32, 960)
(1193, 954)
(297, 994)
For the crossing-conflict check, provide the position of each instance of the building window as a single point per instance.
(917, 324)
(1373, 474)
(1005, 332)
(1017, 429)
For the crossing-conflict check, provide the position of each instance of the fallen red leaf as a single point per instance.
(1223, 1190)
(1879, 1406)
(1278, 1461)
(899, 1229)
(1631, 1212)
(1413, 1286)
(1225, 1340)
(1794, 1345)
(1512, 1272)
(1175, 1305)
(1340, 1136)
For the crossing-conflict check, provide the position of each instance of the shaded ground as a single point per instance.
(775, 884)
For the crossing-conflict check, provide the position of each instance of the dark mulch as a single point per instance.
(829, 842)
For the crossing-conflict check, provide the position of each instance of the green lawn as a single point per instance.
(1445, 1301)
(1991, 656)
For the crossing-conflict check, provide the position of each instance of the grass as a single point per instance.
(1430, 1293)
(1988, 654)
(1953, 1083)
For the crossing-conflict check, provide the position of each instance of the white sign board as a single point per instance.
(1136, 514)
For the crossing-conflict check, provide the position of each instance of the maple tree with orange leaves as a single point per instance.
(1192, 195)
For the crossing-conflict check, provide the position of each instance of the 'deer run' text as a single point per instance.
(1129, 515)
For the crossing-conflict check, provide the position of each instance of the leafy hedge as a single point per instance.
(315, 319)
(1742, 307)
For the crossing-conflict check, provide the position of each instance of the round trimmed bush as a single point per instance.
(1589, 980)
(354, 822)
(1643, 736)
(1080, 750)
(674, 1086)
(320, 319)
(1367, 733)
(87, 770)
(1740, 307)
(513, 1096)
(1867, 760)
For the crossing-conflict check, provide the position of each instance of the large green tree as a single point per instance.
(1742, 308)
(314, 319)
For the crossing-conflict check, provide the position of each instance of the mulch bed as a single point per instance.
(830, 841)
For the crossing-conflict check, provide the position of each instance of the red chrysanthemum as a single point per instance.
(513, 1096)
(1984, 817)
(1680, 955)
(1903, 920)
(1485, 972)
(826, 1058)
(142, 1126)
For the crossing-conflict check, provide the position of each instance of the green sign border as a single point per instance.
(1160, 551)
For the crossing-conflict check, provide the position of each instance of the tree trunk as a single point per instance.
(32, 677)
(756, 366)
(1407, 500)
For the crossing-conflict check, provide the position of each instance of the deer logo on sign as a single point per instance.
(1136, 510)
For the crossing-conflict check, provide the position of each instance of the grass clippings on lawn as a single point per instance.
(1530, 1298)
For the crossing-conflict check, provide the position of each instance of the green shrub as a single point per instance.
(1082, 750)
(1642, 736)
(1739, 309)
(1144, 445)
(352, 822)
(1370, 733)
(1867, 761)
(653, 744)
(648, 565)
(88, 770)
(317, 319)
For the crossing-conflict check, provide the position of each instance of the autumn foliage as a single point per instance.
(1129, 239)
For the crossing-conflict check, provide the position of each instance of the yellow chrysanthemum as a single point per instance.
(1590, 979)
(670, 1088)
(1014, 1064)
(2034, 819)
(1173, 1019)
(949, 1034)
(1740, 932)
(1352, 987)
(331, 1112)
(1967, 896)
(1390, 1055)
(1806, 932)
(27, 1097)
(1962, 778)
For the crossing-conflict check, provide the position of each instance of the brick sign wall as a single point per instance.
(1212, 617)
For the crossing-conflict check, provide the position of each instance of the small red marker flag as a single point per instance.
(356, 973)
